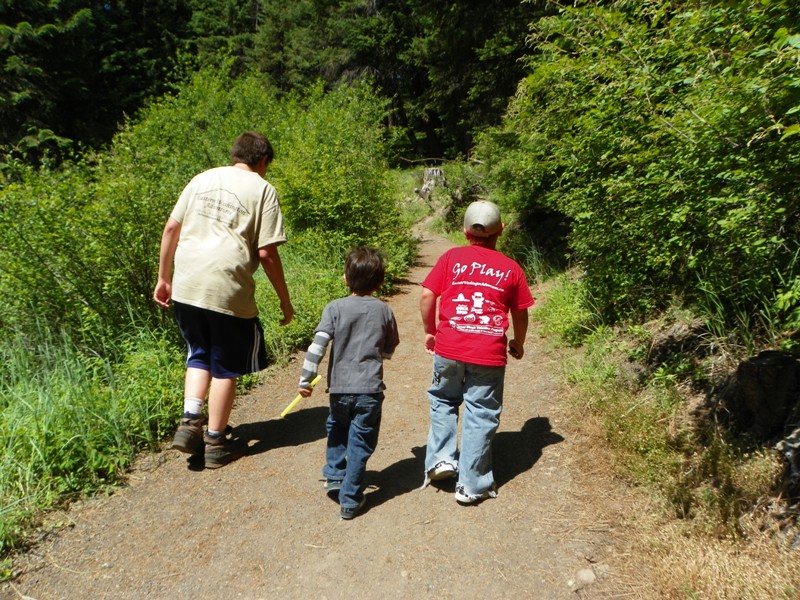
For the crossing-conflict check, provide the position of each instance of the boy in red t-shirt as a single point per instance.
(477, 288)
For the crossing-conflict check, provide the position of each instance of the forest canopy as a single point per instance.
(665, 134)
(73, 70)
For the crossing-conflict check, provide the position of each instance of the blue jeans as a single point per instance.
(353, 426)
(480, 389)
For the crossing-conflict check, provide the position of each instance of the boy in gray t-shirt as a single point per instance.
(364, 332)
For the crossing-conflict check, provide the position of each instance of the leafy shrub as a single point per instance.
(89, 273)
(332, 178)
(94, 368)
(667, 136)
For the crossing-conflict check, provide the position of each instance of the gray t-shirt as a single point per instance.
(364, 332)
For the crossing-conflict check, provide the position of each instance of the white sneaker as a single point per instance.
(442, 470)
(463, 498)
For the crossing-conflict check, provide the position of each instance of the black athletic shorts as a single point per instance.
(224, 345)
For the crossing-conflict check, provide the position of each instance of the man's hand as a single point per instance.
(163, 293)
(288, 313)
(305, 392)
(430, 343)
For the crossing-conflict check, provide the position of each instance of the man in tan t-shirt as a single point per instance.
(226, 222)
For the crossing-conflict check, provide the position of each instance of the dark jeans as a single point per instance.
(353, 425)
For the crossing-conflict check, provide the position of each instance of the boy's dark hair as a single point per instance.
(364, 270)
(250, 147)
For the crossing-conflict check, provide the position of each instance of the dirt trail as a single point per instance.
(262, 527)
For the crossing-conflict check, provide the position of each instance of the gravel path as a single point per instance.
(262, 527)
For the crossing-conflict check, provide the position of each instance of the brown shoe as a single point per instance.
(219, 451)
(189, 437)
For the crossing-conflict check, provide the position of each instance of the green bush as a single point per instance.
(80, 245)
(667, 136)
(95, 369)
(332, 177)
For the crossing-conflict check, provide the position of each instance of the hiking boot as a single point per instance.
(442, 470)
(219, 451)
(349, 513)
(189, 436)
(462, 497)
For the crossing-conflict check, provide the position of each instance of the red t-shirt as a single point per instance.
(476, 287)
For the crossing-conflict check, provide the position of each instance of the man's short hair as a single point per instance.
(364, 270)
(250, 147)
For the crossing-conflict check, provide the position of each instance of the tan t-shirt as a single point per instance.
(226, 215)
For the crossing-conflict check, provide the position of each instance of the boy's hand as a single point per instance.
(515, 349)
(430, 343)
(305, 392)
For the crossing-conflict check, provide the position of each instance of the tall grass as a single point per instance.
(712, 491)
(650, 418)
(566, 313)
(71, 423)
(770, 318)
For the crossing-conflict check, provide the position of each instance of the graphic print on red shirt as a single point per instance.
(476, 287)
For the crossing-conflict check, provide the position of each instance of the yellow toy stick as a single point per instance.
(299, 397)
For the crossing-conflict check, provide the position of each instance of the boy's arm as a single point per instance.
(271, 261)
(392, 339)
(519, 321)
(169, 242)
(314, 356)
(427, 309)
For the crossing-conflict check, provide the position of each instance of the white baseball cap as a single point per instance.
(482, 219)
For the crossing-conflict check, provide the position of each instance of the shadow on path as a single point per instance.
(515, 452)
(397, 479)
(298, 428)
